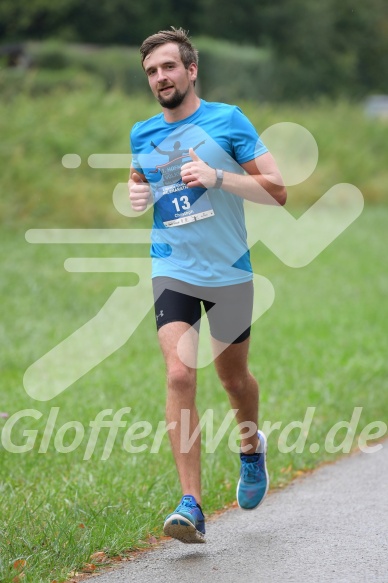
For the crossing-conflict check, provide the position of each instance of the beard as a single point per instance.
(174, 100)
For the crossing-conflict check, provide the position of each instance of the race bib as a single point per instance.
(179, 205)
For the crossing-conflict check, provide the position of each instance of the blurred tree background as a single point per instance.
(284, 50)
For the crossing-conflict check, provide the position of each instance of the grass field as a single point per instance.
(323, 343)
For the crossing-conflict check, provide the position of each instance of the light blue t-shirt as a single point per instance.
(198, 235)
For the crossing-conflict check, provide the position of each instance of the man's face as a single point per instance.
(170, 82)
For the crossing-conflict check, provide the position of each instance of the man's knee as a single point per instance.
(181, 377)
(237, 383)
(234, 384)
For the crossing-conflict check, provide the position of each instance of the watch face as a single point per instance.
(220, 177)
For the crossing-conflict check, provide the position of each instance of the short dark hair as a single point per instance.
(187, 51)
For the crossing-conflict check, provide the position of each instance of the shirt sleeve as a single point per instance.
(135, 164)
(246, 142)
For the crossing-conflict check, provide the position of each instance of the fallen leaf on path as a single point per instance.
(88, 568)
(99, 557)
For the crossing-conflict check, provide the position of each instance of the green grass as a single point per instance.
(322, 344)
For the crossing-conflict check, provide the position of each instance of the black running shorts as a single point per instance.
(228, 308)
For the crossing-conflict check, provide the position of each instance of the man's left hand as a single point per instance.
(197, 172)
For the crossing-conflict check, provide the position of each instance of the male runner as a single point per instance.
(200, 256)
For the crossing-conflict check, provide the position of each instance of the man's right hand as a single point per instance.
(139, 192)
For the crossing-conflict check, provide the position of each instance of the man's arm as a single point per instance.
(262, 184)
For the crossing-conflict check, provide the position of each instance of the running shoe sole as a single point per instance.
(182, 529)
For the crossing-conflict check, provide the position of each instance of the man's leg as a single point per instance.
(229, 310)
(181, 390)
(241, 387)
(187, 522)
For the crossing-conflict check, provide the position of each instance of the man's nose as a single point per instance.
(161, 75)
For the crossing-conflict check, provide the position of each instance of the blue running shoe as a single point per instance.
(187, 522)
(253, 484)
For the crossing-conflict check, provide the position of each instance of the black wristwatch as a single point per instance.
(220, 178)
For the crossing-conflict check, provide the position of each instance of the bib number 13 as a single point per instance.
(182, 203)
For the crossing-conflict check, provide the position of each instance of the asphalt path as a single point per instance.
(329, 526)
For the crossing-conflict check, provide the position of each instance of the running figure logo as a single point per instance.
(171, 171)
(296, 242)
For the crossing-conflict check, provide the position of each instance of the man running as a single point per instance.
(200, 257)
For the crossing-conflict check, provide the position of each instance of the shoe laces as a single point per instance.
(187, 503)
(250, 470)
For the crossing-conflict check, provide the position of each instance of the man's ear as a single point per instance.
(193, 70)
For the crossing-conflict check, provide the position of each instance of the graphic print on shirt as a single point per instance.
(178, 204)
